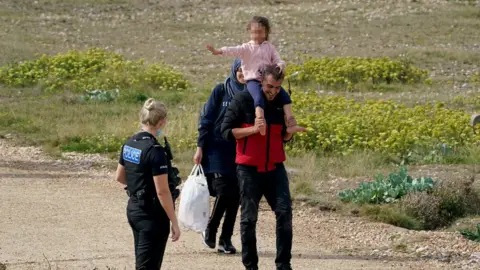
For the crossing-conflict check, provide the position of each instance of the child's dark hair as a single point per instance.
(262, 21)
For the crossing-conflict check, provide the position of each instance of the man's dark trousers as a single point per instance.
(274, 186)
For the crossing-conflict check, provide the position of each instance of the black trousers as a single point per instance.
(151, 227)
(225, 189)
(275, 187)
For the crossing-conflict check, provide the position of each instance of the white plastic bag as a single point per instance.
(194, 208)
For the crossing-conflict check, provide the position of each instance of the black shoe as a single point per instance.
(209, 239)
(226, 246)
(284, 267)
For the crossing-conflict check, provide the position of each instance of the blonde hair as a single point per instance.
(152, 112)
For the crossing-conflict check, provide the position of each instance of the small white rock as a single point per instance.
(422, 249)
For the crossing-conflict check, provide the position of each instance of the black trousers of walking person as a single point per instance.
(274, 186)
(225, 189)
(151, 227)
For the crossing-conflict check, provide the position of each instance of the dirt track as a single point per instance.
(70, 215)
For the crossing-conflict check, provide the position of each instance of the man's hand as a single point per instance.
(259, 124)
(197, 158)
(240, 133)
(292, 126)
(291, 122)
(213, 50)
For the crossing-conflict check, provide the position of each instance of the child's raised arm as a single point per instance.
(213, 50)
(237, 51)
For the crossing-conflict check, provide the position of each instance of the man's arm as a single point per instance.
(288, 136)
(240, 133)
(234, 116)
(232, 121)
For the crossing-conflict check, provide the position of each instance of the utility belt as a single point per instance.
(142, 197)
(141, 194)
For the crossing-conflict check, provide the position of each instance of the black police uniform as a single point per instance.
(143, 157)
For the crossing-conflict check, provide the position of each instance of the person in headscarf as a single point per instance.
(217, 157)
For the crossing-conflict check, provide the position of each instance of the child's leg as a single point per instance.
(254, 87)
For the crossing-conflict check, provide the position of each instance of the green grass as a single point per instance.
(60, 120)
(391, 215)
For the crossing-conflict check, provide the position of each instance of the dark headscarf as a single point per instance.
(233, 85)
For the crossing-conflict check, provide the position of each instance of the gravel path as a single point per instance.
(69, 214)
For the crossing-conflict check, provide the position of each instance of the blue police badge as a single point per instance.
(131, 154)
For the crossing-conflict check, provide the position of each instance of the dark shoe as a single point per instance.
(209, 239)
(284, 267)
(226, 247)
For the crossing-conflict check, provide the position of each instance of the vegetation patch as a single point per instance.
(476, 78)
(342, 125)
(473, 235)
(387, 189)
(93, 144)
(94, 69)
(420, 204)
(472, 102)
(347, 73)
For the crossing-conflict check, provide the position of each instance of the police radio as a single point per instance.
(174, 180)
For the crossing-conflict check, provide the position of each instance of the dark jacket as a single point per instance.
(218, 154)
(256, 150)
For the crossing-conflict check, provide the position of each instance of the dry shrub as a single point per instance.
(423, 207)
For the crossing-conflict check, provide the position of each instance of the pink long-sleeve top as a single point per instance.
(254, 57)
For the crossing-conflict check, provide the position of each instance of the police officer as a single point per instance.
(143, 169)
